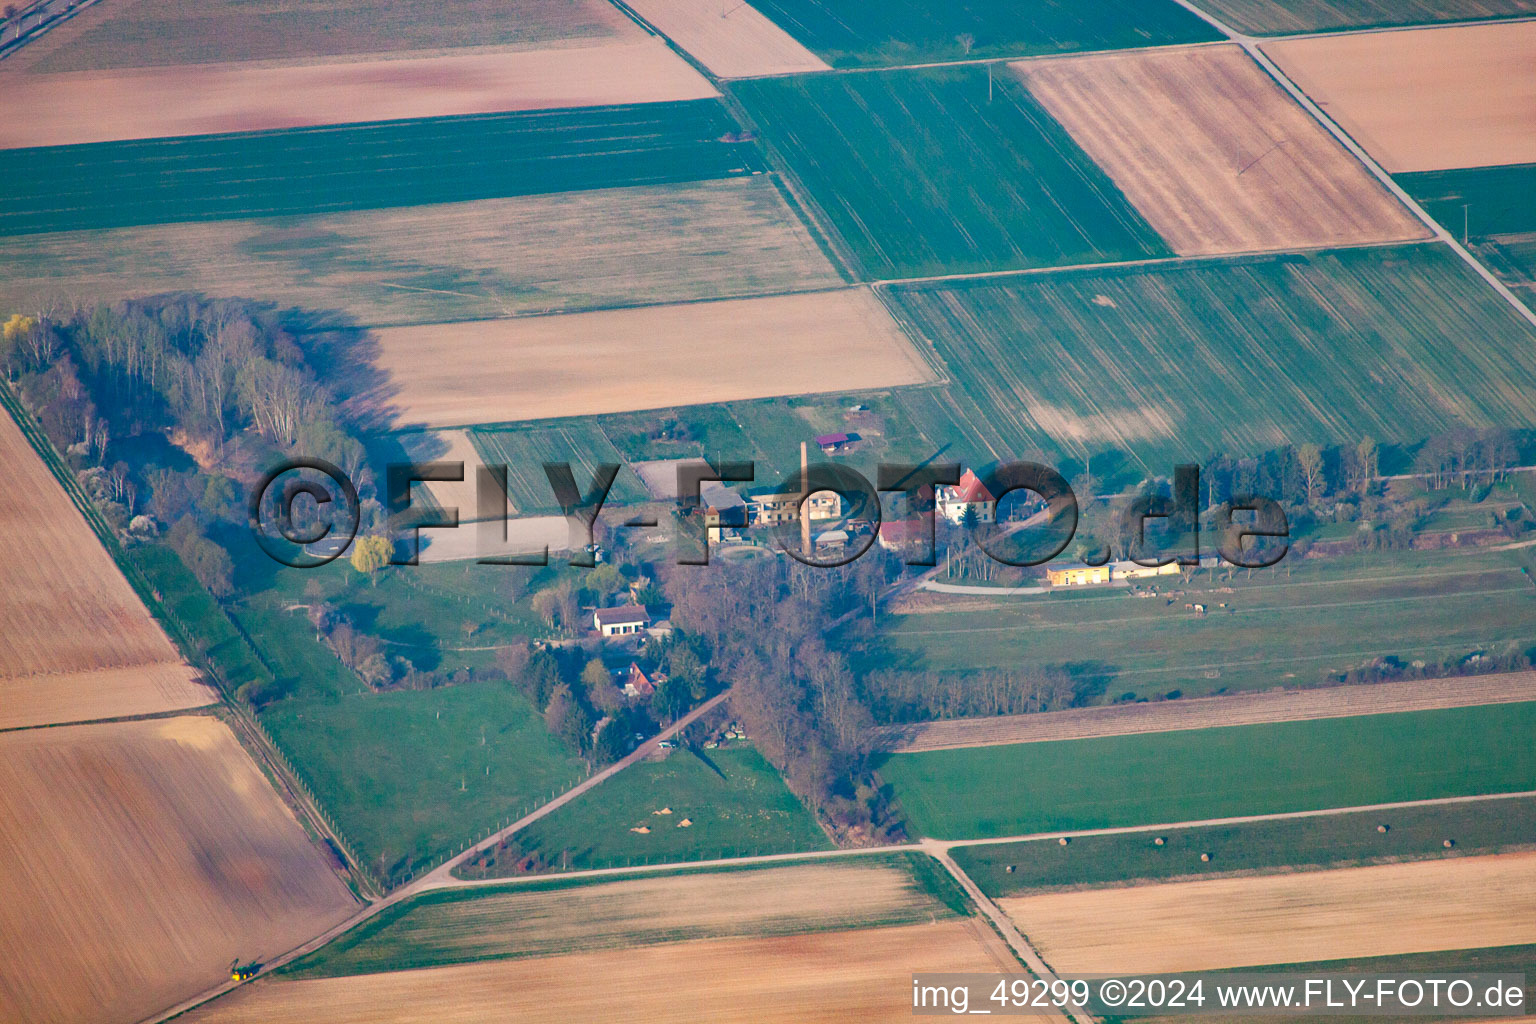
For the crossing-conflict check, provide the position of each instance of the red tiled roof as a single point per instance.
(971, 490)
(900, 531)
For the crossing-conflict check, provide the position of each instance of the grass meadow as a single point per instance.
(911, 31)
(985, 792)
(738, 805)
(1335, 840)
(366, 166)
(1301, 623)
(412, 774)
(946, 170)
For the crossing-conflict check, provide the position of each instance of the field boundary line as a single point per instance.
(1251, 45)
(248, 730)
(1238, 258)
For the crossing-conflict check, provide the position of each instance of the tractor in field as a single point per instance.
(239, 973)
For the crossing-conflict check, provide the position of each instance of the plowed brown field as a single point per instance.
(140, 859)
(75, 641)
(581, 364)
(1210, 712)
(1422, 907)
(1428, 99)
(98, 106)
(1213, 154)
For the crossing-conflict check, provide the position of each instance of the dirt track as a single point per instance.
(1211, 151)
(582, 364)
(1208, 712)
(97, 106)
(1427, 99)
(1457, 903)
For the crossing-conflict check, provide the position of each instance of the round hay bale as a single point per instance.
(1063, 841)
(1449, 843)
(1381, 828)
(1010, 869)
(1205, 858)
(1159, 841)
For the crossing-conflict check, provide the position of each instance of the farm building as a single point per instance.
(834, 444)
(724, 509)
(831, 540)
(625, 620)
(1076, 574)
(1134, 570)
(775, 509)
(972, 494)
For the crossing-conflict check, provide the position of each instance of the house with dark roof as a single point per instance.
(625, 620)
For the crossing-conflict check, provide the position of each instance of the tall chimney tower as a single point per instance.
(805, 492)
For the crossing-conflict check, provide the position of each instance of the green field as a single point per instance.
(1275, 17)
(1337, 840)
(1497, 200)
(152, 33)
(1235, 356)
(983, 792)
(922, 173)
(365, 166)
(1513, 259)
(412, 774)
(738, 805)
(770, 431)
(447, 262)
(445, 616)
(524, 450)
(1304, 622)
(1492, 208)
(847, 33)
(557, 916)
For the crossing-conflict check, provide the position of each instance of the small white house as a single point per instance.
(626, 620)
